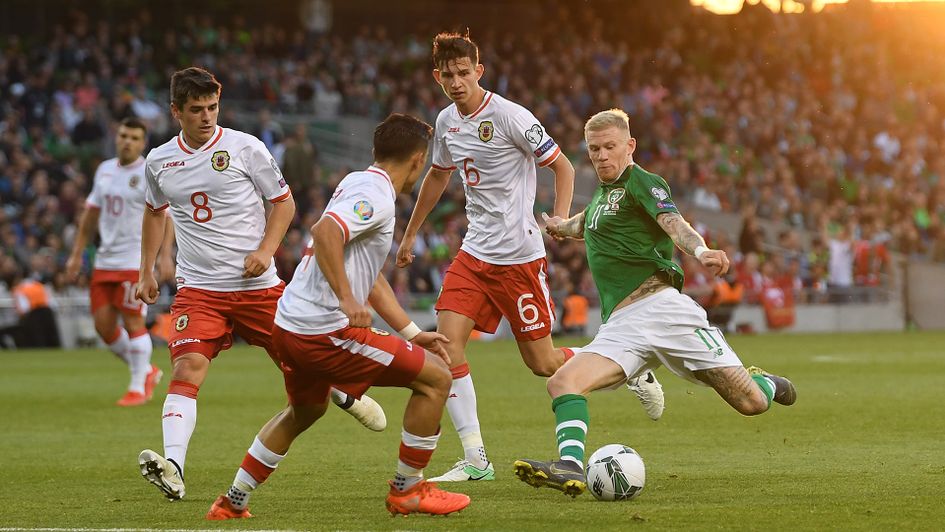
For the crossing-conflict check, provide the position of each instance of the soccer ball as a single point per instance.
(615, 473)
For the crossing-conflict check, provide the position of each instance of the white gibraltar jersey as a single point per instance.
(214, 197)
(495, 149)
(118, 194)
(363, 206)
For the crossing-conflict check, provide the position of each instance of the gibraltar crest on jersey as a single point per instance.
(220, 160)
(486, 130)
(659, 193)
(364, 210)
(379, 332)
(181, 322)
(133, 182)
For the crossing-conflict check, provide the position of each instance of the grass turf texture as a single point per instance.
(862, 448)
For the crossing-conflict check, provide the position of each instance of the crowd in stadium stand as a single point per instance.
(818, 123)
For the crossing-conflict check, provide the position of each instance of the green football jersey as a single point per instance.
(624, 243)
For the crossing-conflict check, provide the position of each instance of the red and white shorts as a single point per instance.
(116, 288)
(203, 321)
(486, 292)
(351, 359)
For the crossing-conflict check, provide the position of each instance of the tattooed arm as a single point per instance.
(684, 236)
(690, 241)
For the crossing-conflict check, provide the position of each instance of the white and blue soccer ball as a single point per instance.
(615, 472)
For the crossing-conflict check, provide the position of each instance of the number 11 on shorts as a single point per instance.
(706, 335)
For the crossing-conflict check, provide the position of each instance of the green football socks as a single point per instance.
(571, 418)
(766, 385)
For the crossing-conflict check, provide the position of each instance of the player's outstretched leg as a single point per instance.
(650, 393)
(784, 391)
(749, 391)
(263, 457)
(409, 492)
(366, 410)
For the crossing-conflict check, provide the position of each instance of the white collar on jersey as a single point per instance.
(207, 145)
(137, 162)
(486, 98)
(377, 170)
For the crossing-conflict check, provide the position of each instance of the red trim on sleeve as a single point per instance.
(159, 209)
(553, 158)
(282, 197)
(448, 169)
(340, 222)
(93, 206)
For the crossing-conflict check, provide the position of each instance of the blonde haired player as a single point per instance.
(211, 179)
(114, 208)
(630, 229)
(501, 270)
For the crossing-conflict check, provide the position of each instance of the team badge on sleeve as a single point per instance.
(486, 130)
(534, 134)
(364, 210)
(659, 193)
(220, 160)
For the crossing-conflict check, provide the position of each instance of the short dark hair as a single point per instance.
(193, 82)
(133, 122)
(400, 136)
(448, 46)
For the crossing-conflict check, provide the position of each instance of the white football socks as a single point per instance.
(139, 360)
(179, 420)
(462, 408)
(120, 345)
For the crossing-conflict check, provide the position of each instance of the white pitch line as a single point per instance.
(31, 529)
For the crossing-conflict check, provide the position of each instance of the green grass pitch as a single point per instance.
(862, 448)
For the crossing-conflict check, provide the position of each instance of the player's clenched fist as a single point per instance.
(433, 342)
(72, 268)
(147, 288)
(255, 264)
(405, 252)
(715, 260)
(358, 315)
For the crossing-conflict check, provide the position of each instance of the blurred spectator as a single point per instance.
(299, 159)
(576, 306)
(37, 323)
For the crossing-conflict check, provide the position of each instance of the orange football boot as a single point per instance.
(132, 399)
(154, 377)
(222, 509)
(425, 498)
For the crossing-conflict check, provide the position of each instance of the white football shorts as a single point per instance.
(667, 328)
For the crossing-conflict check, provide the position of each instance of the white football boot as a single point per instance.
(463, 471)
(650, 393)
(368, 413)
(162, 473)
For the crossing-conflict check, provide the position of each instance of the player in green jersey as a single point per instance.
(630, 228)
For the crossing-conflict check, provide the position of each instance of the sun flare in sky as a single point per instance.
(725, 7)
